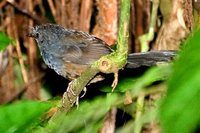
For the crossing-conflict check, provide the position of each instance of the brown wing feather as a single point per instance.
(83, 48)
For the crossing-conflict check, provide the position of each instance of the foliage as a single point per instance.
(158, 73)
(179, 112)
(17, 117)
(4, 41)
(86, 118)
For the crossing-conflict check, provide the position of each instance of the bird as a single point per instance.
(69, 52)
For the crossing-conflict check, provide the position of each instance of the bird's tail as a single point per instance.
(150, 58)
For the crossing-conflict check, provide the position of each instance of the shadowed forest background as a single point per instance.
(153, 25)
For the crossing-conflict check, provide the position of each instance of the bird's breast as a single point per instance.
(54, 63)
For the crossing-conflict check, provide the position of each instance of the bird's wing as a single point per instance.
(82, 48)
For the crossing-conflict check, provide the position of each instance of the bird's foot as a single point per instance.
(69, 88)
(115, 81)
(70, 93)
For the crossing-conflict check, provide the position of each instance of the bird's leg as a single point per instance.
(69, 94)
(115, 81)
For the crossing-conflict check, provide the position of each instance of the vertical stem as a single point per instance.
(123, 33)
(139, 112)
(146, 38)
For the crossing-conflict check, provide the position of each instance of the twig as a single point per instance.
(38, 20)
(33, 90)
(52, 7)
(21, 62)
(19, 54)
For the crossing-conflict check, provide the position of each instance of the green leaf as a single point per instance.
(180, 110)
(86, 118)
(4, 41)
(19, 116)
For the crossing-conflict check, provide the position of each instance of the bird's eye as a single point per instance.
(36, 35)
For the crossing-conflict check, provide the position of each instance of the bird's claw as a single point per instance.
(84, 92)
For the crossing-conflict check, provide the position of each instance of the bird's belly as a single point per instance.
(73, 70)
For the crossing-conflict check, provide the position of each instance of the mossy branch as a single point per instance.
(107, 64)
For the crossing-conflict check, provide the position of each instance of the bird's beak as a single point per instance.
(31, 32)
